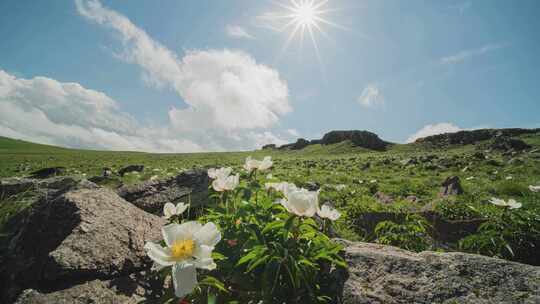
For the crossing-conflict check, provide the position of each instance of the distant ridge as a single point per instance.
(472, 136)
(363, 139)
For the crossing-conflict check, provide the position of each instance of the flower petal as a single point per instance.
(208, 235)
(158, 254)
(184, 279)
(183, 231)
(169, 210)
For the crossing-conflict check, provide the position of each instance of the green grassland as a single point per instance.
(349, 178)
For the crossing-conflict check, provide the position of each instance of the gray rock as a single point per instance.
(95, 291)
(383, 198)
(48, 172)
(78, 236)
(385, 274)
(189, 186)
(131, 168)
(451, 186)
(12, 186)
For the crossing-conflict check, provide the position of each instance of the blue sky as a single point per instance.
(211, 75)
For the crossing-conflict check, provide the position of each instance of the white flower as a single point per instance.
(373, 181)
(511, 204)
(470, 178)
(534, 188)
(170, 209)
(261, 165)
(509, 178)
(189, 246)
(340, 187)
(251, 164)
(265, 164)
(226, 183)
(301, 202)
(269, 176)
(281, 187)
(219, 173)
(327, 211)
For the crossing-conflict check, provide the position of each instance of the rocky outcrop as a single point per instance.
(78, 236)
(385, 274)
(269, 147)
(506, 144)
(298, 145)
(472, 136)
(189, 187)
(363, 139)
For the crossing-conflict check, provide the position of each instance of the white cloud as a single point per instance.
(236, 31)
(293, 132)
(371, 96)
(467, 54)
(428, 130)
(66, 114)
(227, 92)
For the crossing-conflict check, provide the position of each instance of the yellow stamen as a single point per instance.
(182, 249)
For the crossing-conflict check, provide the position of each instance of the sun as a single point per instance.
(305, 14)
(303, 18)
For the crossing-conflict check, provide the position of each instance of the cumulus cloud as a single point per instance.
(371, 96)
(238, 32)
(230, 99)
(434, 129)
(467, 54)
(47, 111)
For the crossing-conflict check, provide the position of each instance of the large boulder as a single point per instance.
(78, 236)
(362, 139)
(385, 274)
(189, 186)
(451, 186)
(48, 172)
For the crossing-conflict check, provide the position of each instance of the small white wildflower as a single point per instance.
(327, 211)
(170, 209)
(511, 204)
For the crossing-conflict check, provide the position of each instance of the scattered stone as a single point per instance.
(365, 166)
(409, 161)
(451, 186)
(385, 274)
(312, 186)
(507, 144)
(131, 168)
(383, 198)
(493, 162)
(479, 155)
(48, 172)
(107, 172)
(190, 187)
(412, 199)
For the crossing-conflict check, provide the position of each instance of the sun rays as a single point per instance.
(304, 19)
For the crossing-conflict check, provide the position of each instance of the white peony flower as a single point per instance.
(301, 201)
(260, 165)
(219, 173)
(329, 212)
(265, 164)
(251, 164)
(170, 209)
(226, 183)
(534, 188)
(189, 246)
(511, 204)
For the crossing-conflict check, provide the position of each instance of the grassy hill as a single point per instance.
(357, 181)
